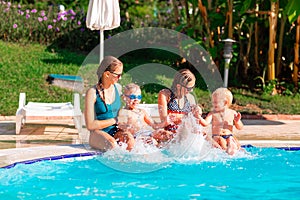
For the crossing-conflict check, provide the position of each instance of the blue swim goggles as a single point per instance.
(132, 96)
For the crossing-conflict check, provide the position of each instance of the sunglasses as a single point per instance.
(188, 88)
(132, 96)
(116, 75)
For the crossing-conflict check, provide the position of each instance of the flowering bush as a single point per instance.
(23, 24)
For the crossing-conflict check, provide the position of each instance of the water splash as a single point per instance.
(189, 146)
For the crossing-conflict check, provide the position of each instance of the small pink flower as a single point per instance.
(33, 10)
(27, 11)
(43, 13)
(45, 18)
(15, 26)
(27, 16)
(20, 12)
(50, 27)
(19, 6)
(40, 19)
(79, 22)
(54, 20)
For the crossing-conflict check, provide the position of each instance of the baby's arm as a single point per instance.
(237, 121)
(206, 121)
(197, 112)
(155, 125)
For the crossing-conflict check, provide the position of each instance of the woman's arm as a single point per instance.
(89, 113)
(162, 101)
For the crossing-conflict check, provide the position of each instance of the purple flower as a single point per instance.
(82, 29)
(27, 16)
(79, 22)
(20, 12)
(33, 10)
(54, 20)
(42, 13)
(40, 19)
(71, 12)
(72, 17)
(45, 18)
(49, 26)
(57, 29)
(8, 4)
(15, 26)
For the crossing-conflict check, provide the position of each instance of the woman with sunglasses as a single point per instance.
(102, 104)
(176, 102)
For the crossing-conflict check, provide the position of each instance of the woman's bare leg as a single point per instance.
(101, 140)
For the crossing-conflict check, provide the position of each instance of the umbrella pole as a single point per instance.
(101, 45)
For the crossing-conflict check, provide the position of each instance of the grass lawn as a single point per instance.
(25, 69)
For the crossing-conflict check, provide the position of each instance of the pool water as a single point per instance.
(258, 173)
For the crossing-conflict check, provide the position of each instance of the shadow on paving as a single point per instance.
(261, 122)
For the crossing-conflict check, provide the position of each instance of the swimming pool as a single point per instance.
(260, 173)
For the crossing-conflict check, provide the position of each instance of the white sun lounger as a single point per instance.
(38, 109)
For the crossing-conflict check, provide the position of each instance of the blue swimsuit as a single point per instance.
(106, 111)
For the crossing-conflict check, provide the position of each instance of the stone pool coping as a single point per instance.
(11, 157)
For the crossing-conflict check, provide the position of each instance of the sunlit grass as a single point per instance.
(25, 69)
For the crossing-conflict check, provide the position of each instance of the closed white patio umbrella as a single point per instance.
(103, 15)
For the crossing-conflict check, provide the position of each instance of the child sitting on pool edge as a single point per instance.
(223, 120)
(132, 120)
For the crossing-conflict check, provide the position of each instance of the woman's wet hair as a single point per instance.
(182, 77)
(109, 63)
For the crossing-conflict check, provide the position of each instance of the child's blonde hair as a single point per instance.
(131, 87)
(225, 94)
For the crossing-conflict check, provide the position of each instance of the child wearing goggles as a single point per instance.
(136, 121)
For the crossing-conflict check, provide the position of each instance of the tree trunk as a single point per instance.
(176, 13)
(229, 13)
(204, 15)
(279, 54)
(256, 40)
(296, 56)
(272, 39)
